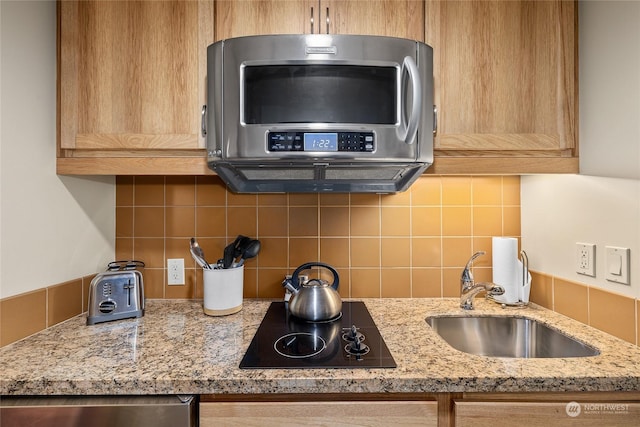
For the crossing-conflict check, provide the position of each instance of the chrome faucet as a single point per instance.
(469, 289)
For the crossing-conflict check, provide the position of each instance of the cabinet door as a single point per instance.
(393, 18)
(546, 414)
(130, 76)
(254, 17)
(505, 76)
(397, 18)
(282, 414)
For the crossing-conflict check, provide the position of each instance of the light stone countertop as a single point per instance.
(177, 349)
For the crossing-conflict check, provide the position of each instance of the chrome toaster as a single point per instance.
(116, 294)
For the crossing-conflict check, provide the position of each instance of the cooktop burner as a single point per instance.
(350, 341)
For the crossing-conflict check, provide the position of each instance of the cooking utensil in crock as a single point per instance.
(249, 250)
(198, 254)
(315, 300)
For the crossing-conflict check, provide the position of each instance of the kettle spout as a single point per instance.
(288, 285)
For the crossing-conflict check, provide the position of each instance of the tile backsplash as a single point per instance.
(411, 244)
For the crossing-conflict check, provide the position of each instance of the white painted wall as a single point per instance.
(52, 228)
(602, 204)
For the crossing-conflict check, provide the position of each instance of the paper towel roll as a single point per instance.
(505, 268)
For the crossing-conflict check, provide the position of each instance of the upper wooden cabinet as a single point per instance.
(396, 18)
(132, 77)
(131, 85)
(505, 85)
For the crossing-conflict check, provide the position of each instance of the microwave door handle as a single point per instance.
(408, 132)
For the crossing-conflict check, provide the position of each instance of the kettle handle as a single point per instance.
(294, 276)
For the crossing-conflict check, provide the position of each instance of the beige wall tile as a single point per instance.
(273, 199)
(541, 289)
(150, 251)
(64, 301)
(301, 199)
(601, 306)
(456, 190)
(456, 251)
(250, 283)
(638, 322)
(395, 221)
(511, 190)
(270, 282)
(364, 221)
(426, 252)
(303, 221)
(426, 191)
(242, 220)
(365, 199)
(426, 283)
(181, 221)
(210, 191)
(186, 291)
(180, 191)
(456, 221)
(124, 222)
(487, 190)
(511, 221)
(335, 251)
(334, 199)
(235, 199)
(148, 191)
(154, 279)
(365, 252)
(334, 221)
(211, 222)
(395, 283)
(365, 283)
(451, 282)
(571, 299)
(273, 221)
(124, 248)
(22, 315)
(303, 250)
(274, 252)
(426, 221)
(395, 251)
(124, 191)
(148, 222)
(398, 199)
(487, 221)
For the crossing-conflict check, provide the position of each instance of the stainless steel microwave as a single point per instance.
(319, 113)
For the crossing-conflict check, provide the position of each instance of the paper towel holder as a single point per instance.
(525, 276)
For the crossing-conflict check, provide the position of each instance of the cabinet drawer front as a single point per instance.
(284, 414)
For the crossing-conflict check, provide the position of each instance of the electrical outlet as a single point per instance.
(175, 271)
(586, 259)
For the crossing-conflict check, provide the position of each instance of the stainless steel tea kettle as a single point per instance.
(315, 300)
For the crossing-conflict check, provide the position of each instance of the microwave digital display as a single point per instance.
(320, 142)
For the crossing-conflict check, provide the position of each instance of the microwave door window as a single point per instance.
(320, 94)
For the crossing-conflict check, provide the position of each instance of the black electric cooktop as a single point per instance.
(351, 340)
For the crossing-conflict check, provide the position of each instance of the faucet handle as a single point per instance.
(467, 277)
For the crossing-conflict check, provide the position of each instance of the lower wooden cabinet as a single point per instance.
(547, 410)
(423, 409)
(345, 413)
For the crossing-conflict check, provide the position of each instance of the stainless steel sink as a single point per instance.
(504, 336)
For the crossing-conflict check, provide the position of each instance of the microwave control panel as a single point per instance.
(360, 142)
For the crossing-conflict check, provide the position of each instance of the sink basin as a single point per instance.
(504, 336)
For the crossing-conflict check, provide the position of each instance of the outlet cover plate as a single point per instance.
(586, 259)
(617, 264)
(175, 271)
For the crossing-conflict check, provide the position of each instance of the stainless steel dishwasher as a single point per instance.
(99, 411)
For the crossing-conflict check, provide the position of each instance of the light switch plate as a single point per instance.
(617, 264)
